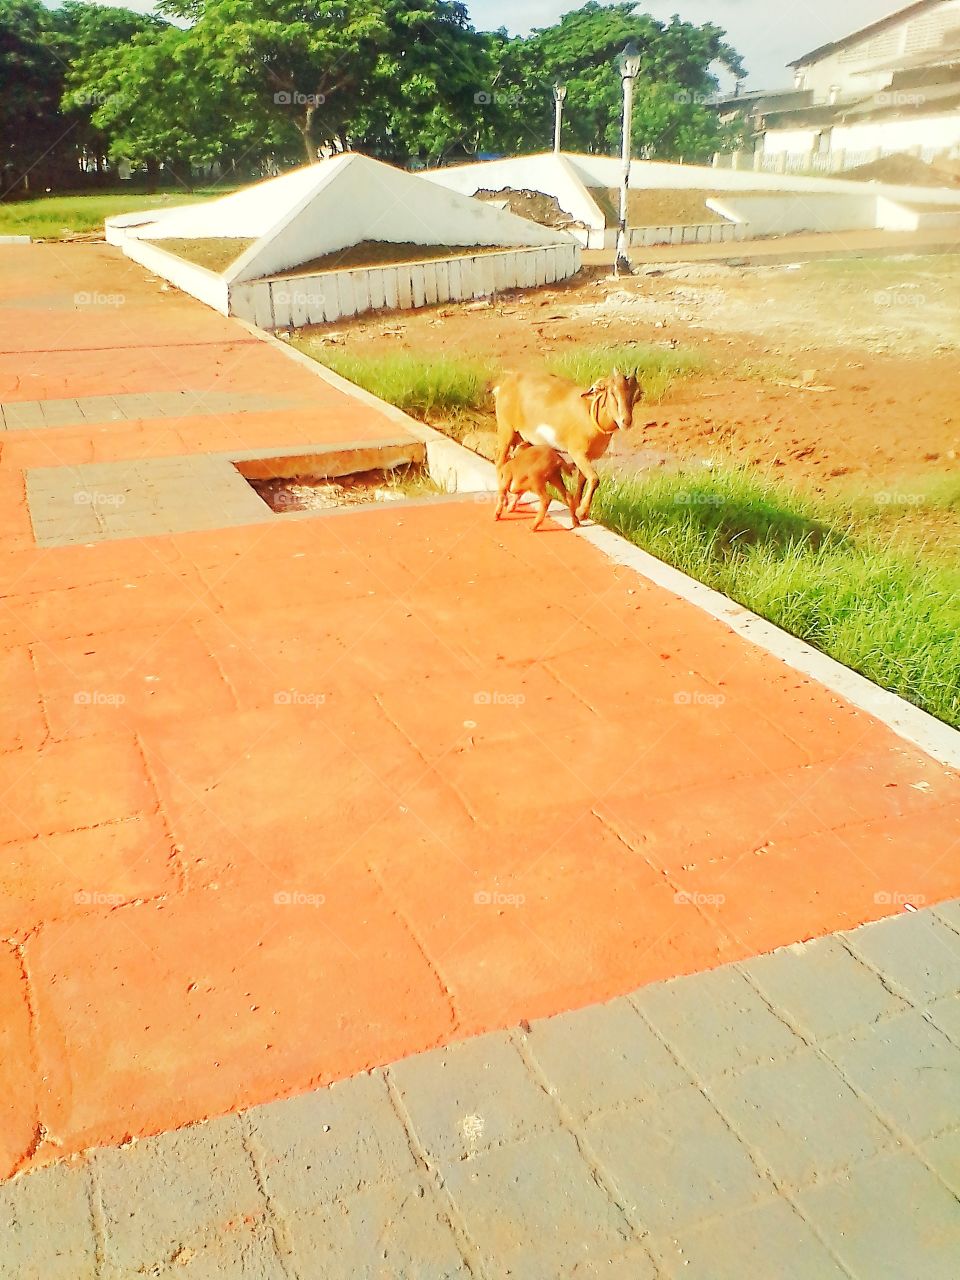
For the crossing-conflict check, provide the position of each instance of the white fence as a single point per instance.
(336, 295)
(813, 162)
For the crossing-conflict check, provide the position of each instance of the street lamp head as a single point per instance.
(559, 91)
(630, 61)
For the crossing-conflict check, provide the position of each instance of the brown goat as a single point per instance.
(546, 410)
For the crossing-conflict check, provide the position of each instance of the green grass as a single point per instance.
(55, 217)
(431, 385)
(421, 385)
(884, 611)
(659, 368)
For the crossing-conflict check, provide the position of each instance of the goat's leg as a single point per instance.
(569, 498)
(506, 439)
(501, 501)
(542, 513)
(587, 484)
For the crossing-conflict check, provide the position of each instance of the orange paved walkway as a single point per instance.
(285, 801)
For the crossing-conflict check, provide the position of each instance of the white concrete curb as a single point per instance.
(462, 471)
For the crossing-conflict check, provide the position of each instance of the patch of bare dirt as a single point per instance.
(214, 253)
(811, 375)
(653, 207)
(381, 253)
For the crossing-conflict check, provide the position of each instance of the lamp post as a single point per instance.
(629, 64)
(559, 97)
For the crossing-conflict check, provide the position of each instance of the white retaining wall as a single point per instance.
(198, 281)
(788, 213)
(336, 295)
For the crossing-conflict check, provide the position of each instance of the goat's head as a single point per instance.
(620, 392)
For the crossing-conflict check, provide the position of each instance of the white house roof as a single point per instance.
(872, 28)
(323, 208)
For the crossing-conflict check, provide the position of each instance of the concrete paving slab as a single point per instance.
(46, 1227)
(323, 1147)
(162, 1194)
(676, 1161)
(702, 1033)
(888, 1219)
(825, 990)
(769, 1240)
(800, 1118)
(400, 1229)
(609, 1046)
(918, 955)
(906, 1069)
(501, 1197)
(469, 1097)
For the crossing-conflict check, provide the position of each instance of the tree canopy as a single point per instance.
(259, 84)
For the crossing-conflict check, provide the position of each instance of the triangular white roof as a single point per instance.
(326, 207)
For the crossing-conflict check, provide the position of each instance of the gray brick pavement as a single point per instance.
(796, 1117)
(23, 415)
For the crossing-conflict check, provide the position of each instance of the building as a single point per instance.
(892, 87)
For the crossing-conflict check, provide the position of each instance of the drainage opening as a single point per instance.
(360, 488)
(348, 476)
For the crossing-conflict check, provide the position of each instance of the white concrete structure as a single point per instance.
(892, 87)
(862, 63)
(791, 203)
(328, 207)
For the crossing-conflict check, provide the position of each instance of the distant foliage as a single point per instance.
(259, 85)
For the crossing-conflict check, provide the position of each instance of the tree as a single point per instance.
(89, 31)
(35, 145)
(391, 76)
(300, 62)
(671, 116)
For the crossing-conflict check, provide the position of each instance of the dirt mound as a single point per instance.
(904, 171)
(533, 205)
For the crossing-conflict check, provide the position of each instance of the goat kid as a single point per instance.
(530, 470)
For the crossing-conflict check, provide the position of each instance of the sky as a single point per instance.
(768, 33)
